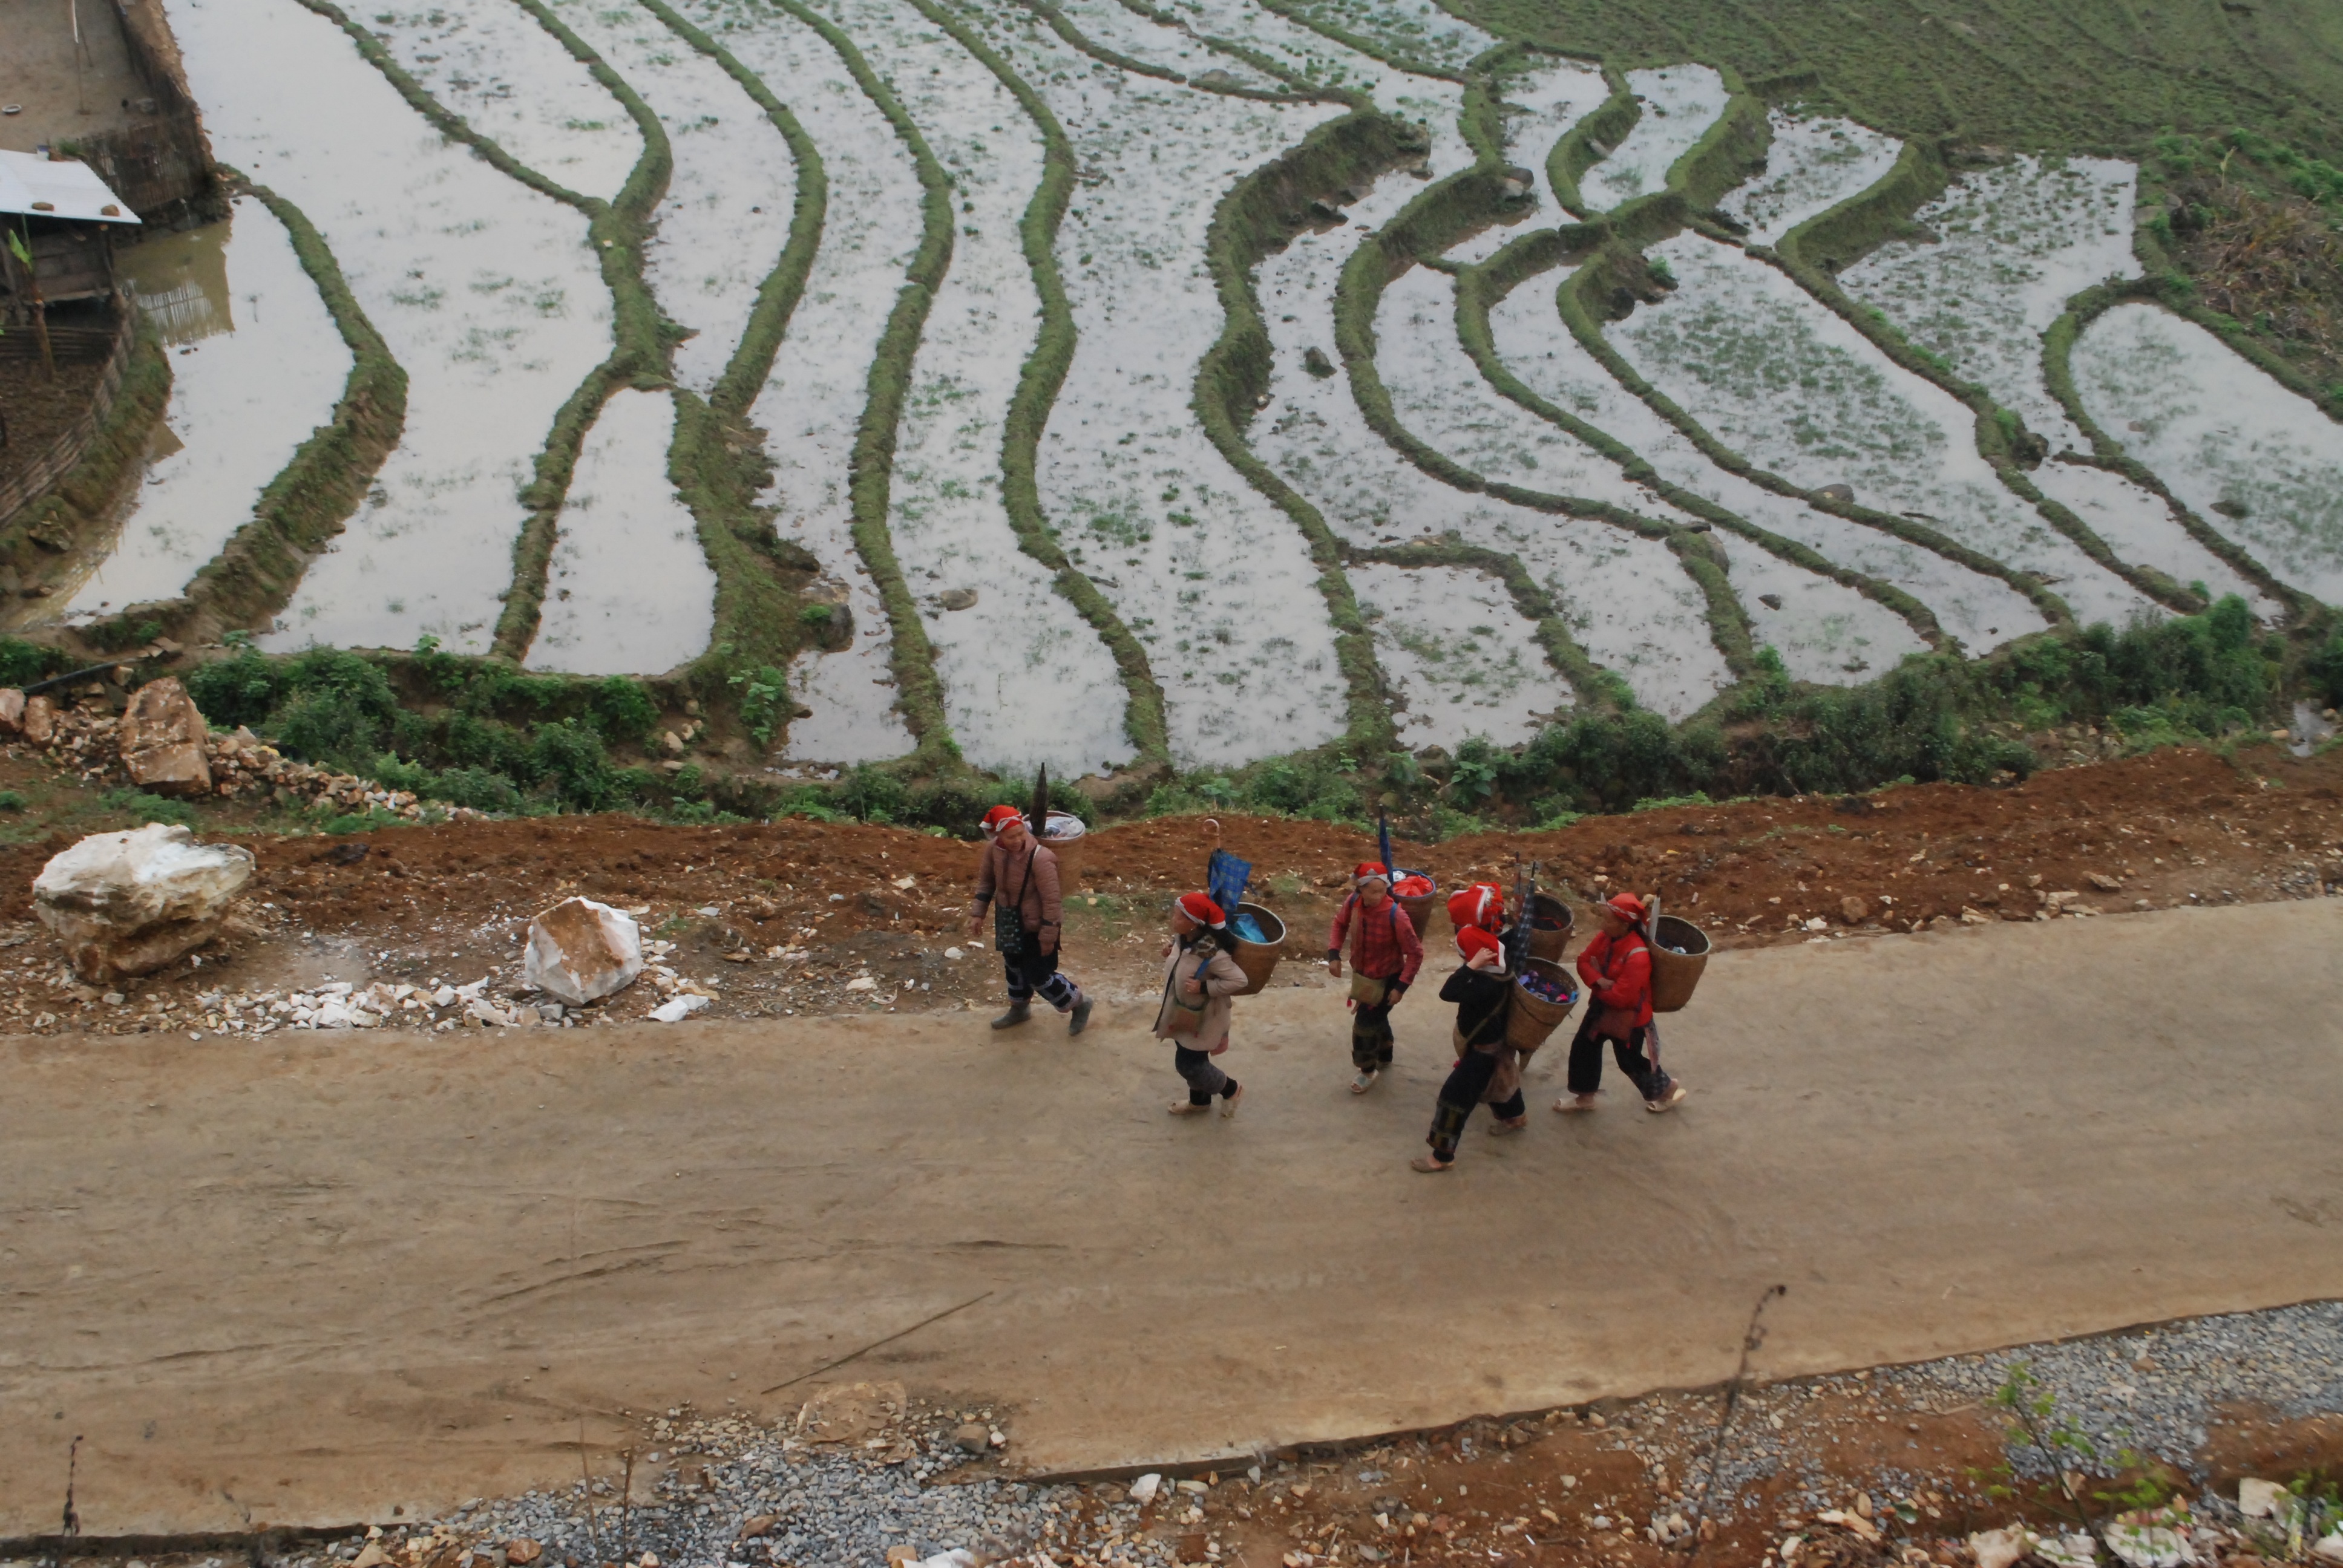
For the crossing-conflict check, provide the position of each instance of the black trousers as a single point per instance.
(1467, 1081)
(1371, 1038)
(1030, 969)
(1204, 1079)
(1634, 1056)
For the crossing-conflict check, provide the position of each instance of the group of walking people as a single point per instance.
(1018, 882)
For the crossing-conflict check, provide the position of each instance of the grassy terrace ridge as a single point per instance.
(1038, 382)
(641, 338)
(1595, 687)
(1439, 217)
(1259, 215)
(1480, 288)
(1593, 137)
(643, 341)
(2315, 181)
(1058, 21)
(1613, 269)
(87, 494)
(1861, 223)
(870, 472)
(715, 459)
(2059, 374)
(304, 507)
(2083, 77)
(1298, 84)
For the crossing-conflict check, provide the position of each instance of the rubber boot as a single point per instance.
(1019, 1011)
(1081, 1020)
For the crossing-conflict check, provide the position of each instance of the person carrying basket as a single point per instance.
(1199, 979)
(1482, 990)
(1616, 966)
(1386, 954)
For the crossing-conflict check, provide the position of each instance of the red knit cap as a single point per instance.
(1366, 869)
(1473, 939)
(1200, 910)
(1629, 905)
(998, 815)
(1479, 905)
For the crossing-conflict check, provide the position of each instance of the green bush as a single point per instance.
(23, 663)
(13, 800)
(149, 808)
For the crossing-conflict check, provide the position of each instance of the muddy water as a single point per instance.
(630, 591)
(726, 214)
(483, 289)
(1680, 102)
(1625, 598)
(1738, 342)
(1141, 497)
(815, 395)
(1536, 346)
(492, 63)
(1026, 680)
(1459, 656)
(2252, 458)
(255, 365)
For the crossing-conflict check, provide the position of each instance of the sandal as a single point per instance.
(1501, 1129)
(1571, 1103)
(1429, 1165)
(1668, 1101)
(1228, 1105)
(1184, 1108)
(1365, 1080)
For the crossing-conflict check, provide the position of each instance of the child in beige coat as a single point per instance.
(1199, 979)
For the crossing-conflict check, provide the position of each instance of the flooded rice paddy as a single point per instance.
(255, 365)
(488, 286)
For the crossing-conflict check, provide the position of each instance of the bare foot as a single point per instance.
(1182, 1108)
(1429, 1165)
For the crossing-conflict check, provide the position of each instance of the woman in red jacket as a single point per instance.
(1616, 966)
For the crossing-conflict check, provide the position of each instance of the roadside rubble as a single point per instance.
(161, 744)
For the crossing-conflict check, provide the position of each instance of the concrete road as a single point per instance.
(319, 1275)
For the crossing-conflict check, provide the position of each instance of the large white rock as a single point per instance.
(2259, 1499)
(579, 951)
(128, 903)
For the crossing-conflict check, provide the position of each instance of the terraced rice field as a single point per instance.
(1194, 382)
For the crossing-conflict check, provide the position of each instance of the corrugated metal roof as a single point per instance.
(31, 184)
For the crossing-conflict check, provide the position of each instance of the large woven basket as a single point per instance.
(1258, 960)
(1530, 1017)
(1550, 921)
(1674, 974)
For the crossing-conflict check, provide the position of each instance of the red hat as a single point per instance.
(1629, 905)
(1365, 869)
(998, 816)
(1479, 905)
(1200, 910)
(1473, 939)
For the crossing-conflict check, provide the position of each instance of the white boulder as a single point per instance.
(128, 903)
(580, 951)
(2003, 1547)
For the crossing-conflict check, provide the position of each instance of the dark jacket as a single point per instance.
(1481, 998)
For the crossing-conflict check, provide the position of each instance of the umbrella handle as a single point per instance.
(1214, 824)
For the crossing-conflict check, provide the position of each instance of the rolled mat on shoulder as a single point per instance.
(1677, 958)
(1529, 1017)
(1258, 960)
(1550, 920)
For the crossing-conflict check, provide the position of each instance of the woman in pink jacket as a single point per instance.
(1199, 979)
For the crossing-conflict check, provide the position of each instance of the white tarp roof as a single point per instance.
(30, 183)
